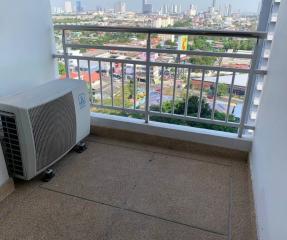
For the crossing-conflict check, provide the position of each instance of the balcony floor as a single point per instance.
(122, 190)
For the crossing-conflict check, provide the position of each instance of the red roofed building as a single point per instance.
(236, 65)
(84, 76)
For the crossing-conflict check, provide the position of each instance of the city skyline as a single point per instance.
(136, 5)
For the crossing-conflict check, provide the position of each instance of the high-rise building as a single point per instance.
(192, 10)
(174, 9)
(165, 9)
(225, 10)
(79, 7)
(147, 7)
(179, 8)
(229, 11)
(120, 7)
(68, 7)
(144, 3)
(57, 10)
(214, 3)
(99, 9)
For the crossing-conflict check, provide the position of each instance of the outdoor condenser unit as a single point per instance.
(41, 125)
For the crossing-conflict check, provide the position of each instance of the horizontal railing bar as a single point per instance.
(114, 60)
(174, 116)
(129, 110)
(201, 67)
(86, 46)
(168, 51)
(203, 53)
(138, 62)
(249, 127)
(179, 31)
(261, 72)
(195, 119)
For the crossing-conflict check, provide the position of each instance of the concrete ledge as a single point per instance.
(196, 135)
(115, 127)
(6, 189)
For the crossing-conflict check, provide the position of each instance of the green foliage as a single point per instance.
(193, 103)
(198, 60)
(183, 23)
(234, 44)
(201, 43)
(61, 68)
(170, 43)
(108, 38)
(141, 36)
(222, 89)
(179, 109)
(158, 46)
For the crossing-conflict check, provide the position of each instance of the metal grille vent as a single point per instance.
(10, 144)
(54, 129)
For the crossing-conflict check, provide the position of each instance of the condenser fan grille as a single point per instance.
(10, 143)
(54, 129)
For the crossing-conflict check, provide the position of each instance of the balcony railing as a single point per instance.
(139, 73)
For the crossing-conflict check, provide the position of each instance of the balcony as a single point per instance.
(166, 160)
(142, 177)
(127, 190)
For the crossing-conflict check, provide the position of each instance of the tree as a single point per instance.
(201, 43)
(203, 60)
(61, 68)
(193, 104)
(170, 43)
(222, 89)
(234, 44)
(183, 23)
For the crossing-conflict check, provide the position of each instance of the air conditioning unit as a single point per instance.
(41, 125)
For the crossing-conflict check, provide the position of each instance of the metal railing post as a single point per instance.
(249, 89)
(147, 107)
(90, 82)
(79, 72)
(112, 83)
(65, 54)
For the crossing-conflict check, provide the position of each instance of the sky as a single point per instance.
(135, 5)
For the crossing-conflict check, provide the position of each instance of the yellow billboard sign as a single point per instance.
(183, 43)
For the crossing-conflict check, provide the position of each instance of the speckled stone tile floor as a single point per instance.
(120, 190)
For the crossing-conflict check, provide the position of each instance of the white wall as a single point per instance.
(25, 44)
(26, 48)
(269, 155)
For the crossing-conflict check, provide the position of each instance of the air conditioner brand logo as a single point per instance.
(82, 100)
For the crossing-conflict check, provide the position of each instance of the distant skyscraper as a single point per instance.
(179, 8)
(165, 9)
(192, 10)
(79, 7)
(120, 7)
(147, 7)
(68, 7)
(174, 8)
(226, 10)
(99, 9)
(57, 10)
(229, 11)
(143, 6)
(214, 3)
